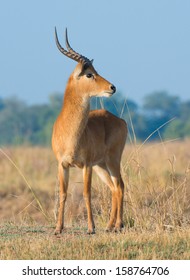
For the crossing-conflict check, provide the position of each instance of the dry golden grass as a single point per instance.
(35, 242)
(156, 211)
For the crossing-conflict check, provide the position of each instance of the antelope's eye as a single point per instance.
(89, 75)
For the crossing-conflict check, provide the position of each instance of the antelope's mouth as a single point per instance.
(108, 93)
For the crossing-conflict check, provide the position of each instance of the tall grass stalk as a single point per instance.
(26, 182)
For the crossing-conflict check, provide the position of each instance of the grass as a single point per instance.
(156, 206)
(37, 242)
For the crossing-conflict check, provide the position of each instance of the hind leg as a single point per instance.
(119, 190)
(114, 169)
(104, 175)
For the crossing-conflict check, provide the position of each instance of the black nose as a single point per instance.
(113, 88)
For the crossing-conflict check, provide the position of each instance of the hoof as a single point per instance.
(57, 231)
(118, 229)
(109, 229)
(91, 231)
(115, 228)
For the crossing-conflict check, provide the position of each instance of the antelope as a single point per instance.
(88, 139)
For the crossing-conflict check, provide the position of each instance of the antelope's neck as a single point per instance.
(74, 118)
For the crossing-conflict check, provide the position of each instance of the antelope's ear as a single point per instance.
(84, 67)
(79, 70)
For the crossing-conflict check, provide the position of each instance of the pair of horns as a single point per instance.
(70, 52)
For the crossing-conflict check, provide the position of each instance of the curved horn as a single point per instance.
(68, 45)
(62, 50)
(70, 53)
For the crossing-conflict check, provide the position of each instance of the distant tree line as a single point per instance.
(161, 115)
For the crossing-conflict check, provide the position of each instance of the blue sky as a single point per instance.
(141, 46)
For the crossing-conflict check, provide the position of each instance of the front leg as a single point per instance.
(63, 176)
(87, 177)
